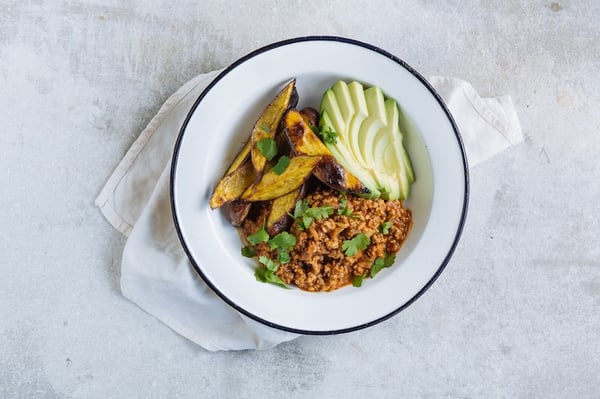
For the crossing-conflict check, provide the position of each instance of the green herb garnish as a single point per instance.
(327, 135)
(260, 236)
(358, 280)
(351, 247)
(283, 240)
(381, 263)
(304, 215)
(344, 209)
(267, 147)
(385, 227)
(266, 273)
(281, 165)
(248, 251)
(283, 256)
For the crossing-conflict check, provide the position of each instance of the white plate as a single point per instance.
(220, 121)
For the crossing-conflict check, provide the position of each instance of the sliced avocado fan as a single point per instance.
(369, 140)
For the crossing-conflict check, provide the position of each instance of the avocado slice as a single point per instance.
(370, 142)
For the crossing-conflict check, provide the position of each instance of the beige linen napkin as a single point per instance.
(155, 272)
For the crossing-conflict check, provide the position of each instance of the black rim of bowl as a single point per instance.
(403, 65)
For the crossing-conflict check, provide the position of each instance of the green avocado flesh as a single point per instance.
(369, 141)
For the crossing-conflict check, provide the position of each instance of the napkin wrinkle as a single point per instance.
(156, 274)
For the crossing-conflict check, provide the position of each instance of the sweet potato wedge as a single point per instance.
(330, 172)
(310, 116)
(272, 185)
(238, 210)
(267, 124)
(279, 217)
(239, 158)
(232, 185)
(305, 142)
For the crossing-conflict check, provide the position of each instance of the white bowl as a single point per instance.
(221, 120)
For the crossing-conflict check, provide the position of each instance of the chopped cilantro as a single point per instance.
(269, 263)
(265, 275)
(268, 147)
(283, 240)
(301, 207)
(319, 212)
(260, 236)
(381, 263)
(360, 241)
(385, 227)
(283, 256)
(281, 165)
(327, 135)
(358, 280)
(304, 215)
(344, 209)
(248, 251)
(266, 272)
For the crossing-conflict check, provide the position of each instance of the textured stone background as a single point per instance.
(514, 315)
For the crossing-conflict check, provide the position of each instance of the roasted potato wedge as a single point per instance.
(304, 141)
(232, 185)
(310, 116)
(239, 158)
(279, 217)
(330, 172)
(267, 124)
(272, 185)
(238, 210)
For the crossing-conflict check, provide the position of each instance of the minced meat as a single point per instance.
(318, 262)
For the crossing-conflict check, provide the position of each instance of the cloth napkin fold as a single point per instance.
(155, 272)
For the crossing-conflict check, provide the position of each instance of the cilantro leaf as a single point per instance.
(305, 223)
(351, 247)
(377, 266)
(281, 165)
(304, 215)
(385, 227)
(248, 251)
(283, 256)
(344, 209)
(268, 147)
(389, 260)
(269, 263)
(381, 263)
(265, 275)
(319, 212)
(301, 207)
(327, 135)
(260, 236)
(283, 240)
(358, 280)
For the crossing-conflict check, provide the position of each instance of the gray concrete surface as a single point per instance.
(515, 315)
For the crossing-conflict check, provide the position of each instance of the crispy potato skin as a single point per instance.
(279, 219)
(310, 116)
(330, 172)
(238, 210)
(267, 124)
(304, 141)
(232, 185)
